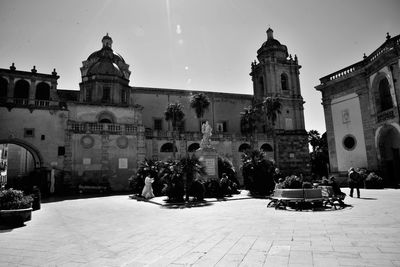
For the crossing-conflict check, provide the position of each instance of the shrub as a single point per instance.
(147, 168)
(373, 181)
(226, 166)
(293, 182)
(14, 199)
(212, 189)
(257, 172)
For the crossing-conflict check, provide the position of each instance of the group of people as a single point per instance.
(354, 181)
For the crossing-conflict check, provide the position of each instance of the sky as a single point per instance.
(203, 45)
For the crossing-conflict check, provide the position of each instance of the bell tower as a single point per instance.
(276, 74)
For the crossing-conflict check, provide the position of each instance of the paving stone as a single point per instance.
(118, 231)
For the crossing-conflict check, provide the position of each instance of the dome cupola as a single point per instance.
(105, 62)
(272, 48)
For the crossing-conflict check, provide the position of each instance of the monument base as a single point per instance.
(209, 157)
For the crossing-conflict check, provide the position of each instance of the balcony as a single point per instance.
(102, 128)
(27, 102)
(385, 115)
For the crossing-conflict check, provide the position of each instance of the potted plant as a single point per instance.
(15, 207)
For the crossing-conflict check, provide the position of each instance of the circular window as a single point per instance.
(122, 142)
(87, 141)
(349, 142)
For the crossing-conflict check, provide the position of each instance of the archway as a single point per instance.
(243, 147)
(167, 148)
(193, 147)
(20, 160)
(3, 88)
(21, 89)
(389, 151)
(43, 91)
(266, 147)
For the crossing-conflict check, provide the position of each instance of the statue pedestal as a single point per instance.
(209, 157)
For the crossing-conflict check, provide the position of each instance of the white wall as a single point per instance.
(350, 105)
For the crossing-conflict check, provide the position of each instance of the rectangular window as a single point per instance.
(106, 94)
(29, 132)
(88, 94)
(221, 127)
(61, 150)
(180, 127)
(158, 124)
(288, 124)
(124, 96)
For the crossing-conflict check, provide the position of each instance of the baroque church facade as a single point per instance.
(103, 131)
(361, 106)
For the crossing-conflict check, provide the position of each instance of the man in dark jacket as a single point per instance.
(354, 181)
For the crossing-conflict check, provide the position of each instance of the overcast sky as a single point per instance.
(195, 44)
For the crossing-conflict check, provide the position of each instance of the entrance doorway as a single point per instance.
(389, 149)
(21, 165)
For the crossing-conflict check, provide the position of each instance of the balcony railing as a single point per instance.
(100, 128)
(21, 102)
(385, 115)
(387, 46)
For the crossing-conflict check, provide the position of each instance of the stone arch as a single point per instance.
(21, 89)
(243, 147)
(387, 142)
(42, 91)
(193, 147)
(106, 117)
(284, 82)
(3, 87)
(167, 148)
(266, 147)
(381, 88)
(37, 156)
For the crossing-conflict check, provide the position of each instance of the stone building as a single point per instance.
(361, 106)
(100, 133)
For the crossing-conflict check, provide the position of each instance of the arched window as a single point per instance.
(43, 91)
(284, 82)
(3, 87)
(266, 148)
(384, 95)
(106, 117)
(167, 147)
(261, 85)
(193, 147)
(21, 89)
(244, 147)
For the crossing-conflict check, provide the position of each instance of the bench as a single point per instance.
(281, 198)
(330, 197)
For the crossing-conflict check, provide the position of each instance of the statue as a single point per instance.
(206, 130)
(147, 191)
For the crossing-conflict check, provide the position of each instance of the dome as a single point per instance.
(272, 47)
(104, 67)
(105, 62)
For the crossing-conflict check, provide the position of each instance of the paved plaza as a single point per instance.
(119, 231)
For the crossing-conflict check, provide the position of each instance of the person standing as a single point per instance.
(354, 181)
(147, 191)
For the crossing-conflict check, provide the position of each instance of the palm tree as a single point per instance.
(314, 139)
(272, 107)
(175, 114)
(249, 119)
(190, 166)
(200, 103)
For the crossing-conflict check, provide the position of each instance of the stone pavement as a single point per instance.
(118, 231)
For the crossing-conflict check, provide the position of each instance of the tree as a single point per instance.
(319, 154)
(174, 113)
(257, 172)
(200, 103)
(314, 139)
(190, 166)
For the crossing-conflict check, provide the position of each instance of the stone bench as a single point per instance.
(281, 198)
